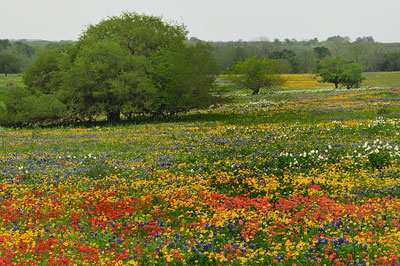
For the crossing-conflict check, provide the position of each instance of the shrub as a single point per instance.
(20, 107)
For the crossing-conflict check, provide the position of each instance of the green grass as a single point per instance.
(308, 82)
(382, 79)
(9, 82)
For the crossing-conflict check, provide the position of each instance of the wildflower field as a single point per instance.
(292, 177)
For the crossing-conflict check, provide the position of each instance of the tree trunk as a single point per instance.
(256, 91)
(336, 85)
(5, 74)
(113, 116)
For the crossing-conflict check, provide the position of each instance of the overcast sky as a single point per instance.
(215, 20)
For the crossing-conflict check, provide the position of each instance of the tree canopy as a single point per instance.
(337, 70)
(137, 64)
(256, 73)
(352, 76)
(130, 64)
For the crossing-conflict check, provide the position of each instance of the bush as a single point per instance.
(21, 108)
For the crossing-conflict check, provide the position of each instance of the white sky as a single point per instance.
(215, 20)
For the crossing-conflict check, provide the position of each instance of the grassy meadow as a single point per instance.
(301, 175)
(9, 82)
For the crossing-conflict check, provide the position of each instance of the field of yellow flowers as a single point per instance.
(289, 178)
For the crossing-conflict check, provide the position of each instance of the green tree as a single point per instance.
(330, 70)
(352, 76)
(137, 64)
(368, 39)
(132, 65)
(256, 73)
(9, 64)
(390, 62)
(337, 70)
(338, 39)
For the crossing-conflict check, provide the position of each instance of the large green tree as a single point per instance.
(130, 64)
(137, 64)
(255, 73)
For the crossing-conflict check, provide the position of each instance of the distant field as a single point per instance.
(294, 81)
(373, 79)
(11, 81)
(308, 81)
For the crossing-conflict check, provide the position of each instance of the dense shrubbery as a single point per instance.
(22, 108)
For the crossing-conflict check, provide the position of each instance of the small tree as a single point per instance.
(352, 76)
(330, 70)
(337, 71)
(256, 73)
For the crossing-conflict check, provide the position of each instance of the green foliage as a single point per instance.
(379, 160)
(352, 76)
(43, 75)
(390, 62)
(144, 67)
(24, 49)
(4, 44)
(142, 35)
(371, 55)
(9, 64)
(21, 107)
(132, 65)
(255, 73)
(321, 51)
(337, 70)
(106, 79)
(183, 79)
(330, 70)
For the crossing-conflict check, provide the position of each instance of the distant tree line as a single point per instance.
(298, 56)
(15, 56)
(303, 56)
